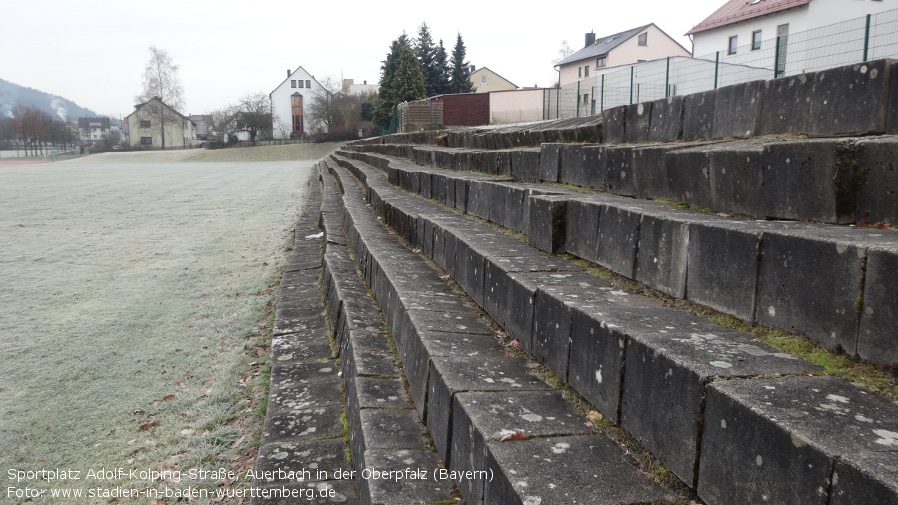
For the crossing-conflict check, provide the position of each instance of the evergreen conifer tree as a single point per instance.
(425, 51)
(401, 80)
(461, 71)
(441, 62)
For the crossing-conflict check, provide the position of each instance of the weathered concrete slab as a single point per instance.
(309, 461)
(877, 197)
(667, 119)
(667, 372)
(602, 473)
(385, 429)
(736, 110)
(756, 432)
(302, 423)
(865, 478)
(547, 223)
(431, 344)
(367, 355)
(662, 258)
(298, 347)
(737, 178)
(550, 161)
(298, 320)
(809, 180)
(689, 175)
(406, 477)
(482, 417)
(617, 239)
(525, 164)
(619, 176)
(614, 124)
(790, 285)
(699, 110)
(450, 375)
(876, 338)
(638, 118)
(723, 265)
(583, 216)
(379, 393)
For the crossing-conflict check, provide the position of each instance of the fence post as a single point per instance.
(776, 58)
(716, 67)
(632, 68)
(867, 38)
(557, 99)
(577, 102)
(667, 79)
(602, 95)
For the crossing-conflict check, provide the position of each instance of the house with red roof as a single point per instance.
(741, 27)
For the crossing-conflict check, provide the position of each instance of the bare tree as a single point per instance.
(161, 80)
(331, 110)
(253, 115)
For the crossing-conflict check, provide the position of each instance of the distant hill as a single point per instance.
(12, 94)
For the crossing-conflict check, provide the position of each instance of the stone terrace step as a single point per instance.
(629, 355)
(302, 430)
(759, 271)
(457, 373)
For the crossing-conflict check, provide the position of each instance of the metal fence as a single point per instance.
(871, 37)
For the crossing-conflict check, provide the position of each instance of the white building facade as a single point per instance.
(291, 102)
(740, 27)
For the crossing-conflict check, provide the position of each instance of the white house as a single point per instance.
(485, 80)
(91, 129)
(291, 101)
(643, 43)
(740, 28)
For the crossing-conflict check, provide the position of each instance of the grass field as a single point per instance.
(133, 297)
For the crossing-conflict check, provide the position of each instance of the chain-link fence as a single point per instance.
(871, 37)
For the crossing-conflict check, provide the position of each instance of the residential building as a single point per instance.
(485, 80)
(517, 106)
(154, 124)
(351, 88)
(744, 26)
(203, 124)
(643, 43)
(291, 102)
(92, 129)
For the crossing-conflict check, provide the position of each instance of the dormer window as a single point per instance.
(643, 39)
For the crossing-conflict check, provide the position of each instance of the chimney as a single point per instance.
(365, 82)
(473, 68)
(288, 72)
(590, 39)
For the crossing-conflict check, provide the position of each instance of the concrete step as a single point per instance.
(758, 271)
(453, 363)
(302, 456)
(629, 355)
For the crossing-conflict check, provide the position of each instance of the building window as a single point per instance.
(586, 71)
(482, 79)
(296, 111)
(643, 39)
(301, 83)
(733, 45)
(146, 141)
(600, 62)
(585, 98)
(579, 71)
(756, 40)
(144, 124)
(309, 84)
(292, 83)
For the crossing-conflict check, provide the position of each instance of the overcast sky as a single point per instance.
(94, 52)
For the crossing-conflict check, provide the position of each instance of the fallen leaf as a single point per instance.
(147, 425)
(514, 343)
(168, 397)
(594, 416)
(516, 435)
(238, 441)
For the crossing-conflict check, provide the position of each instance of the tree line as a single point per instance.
(37, 129)
(418, 68)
